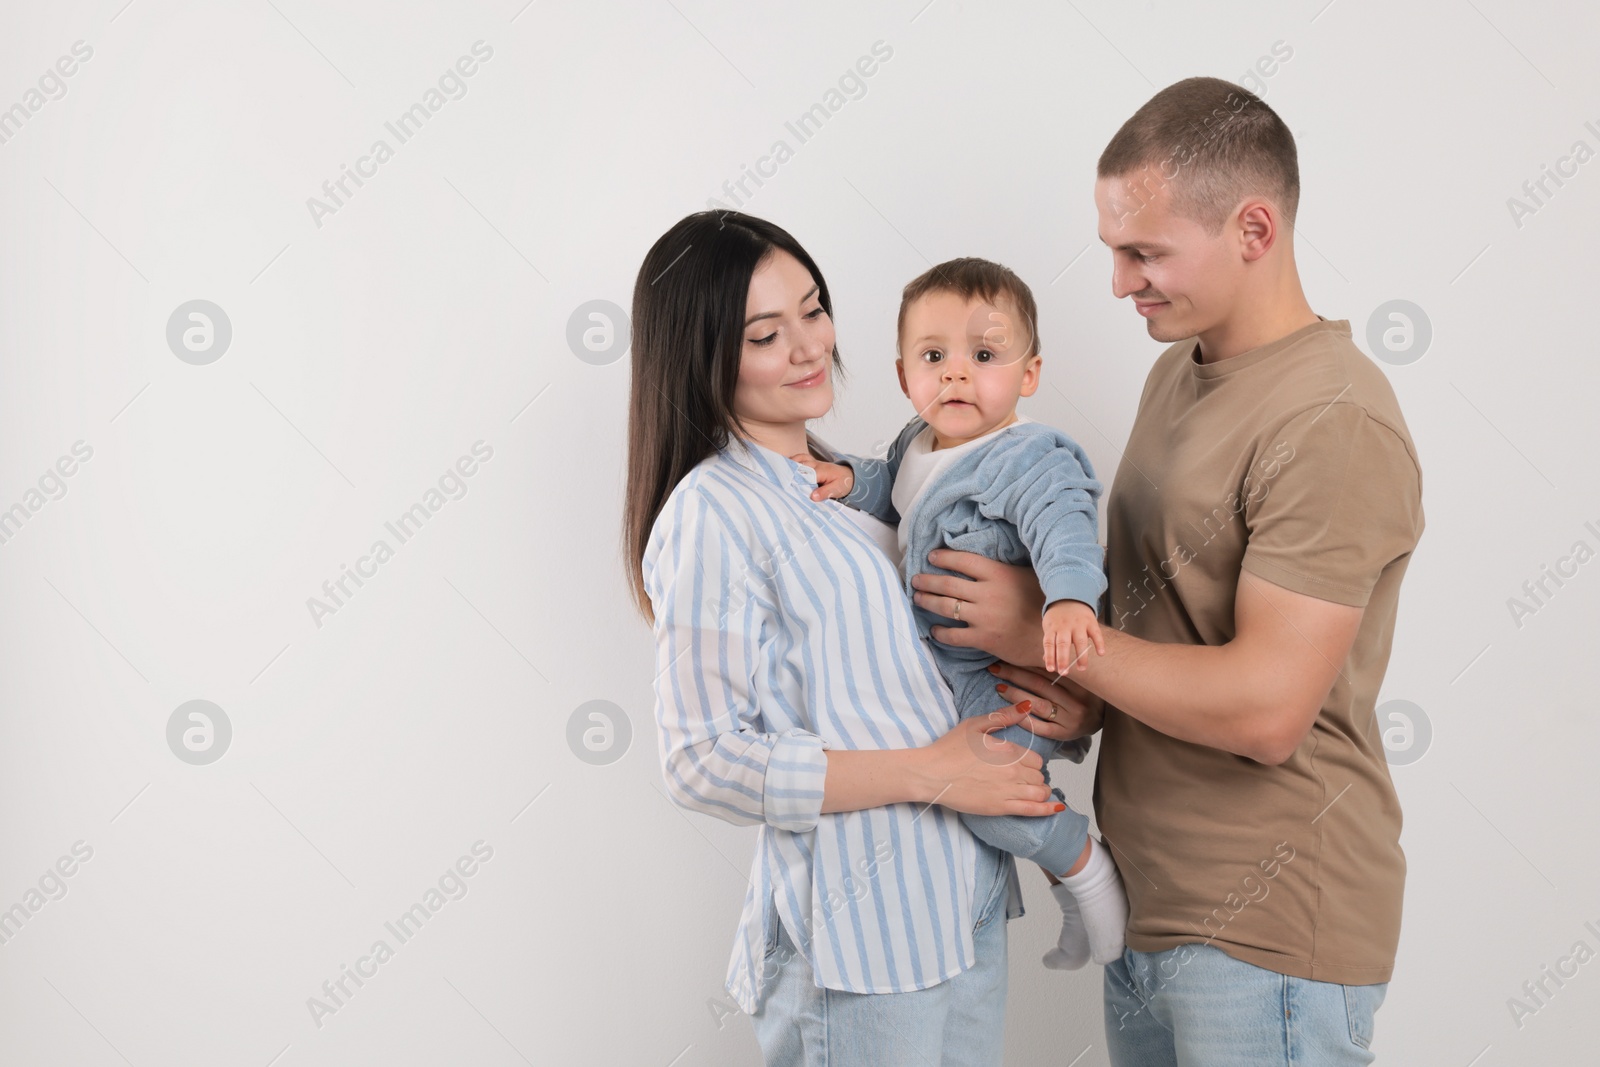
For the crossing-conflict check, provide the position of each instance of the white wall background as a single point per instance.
(431, 311)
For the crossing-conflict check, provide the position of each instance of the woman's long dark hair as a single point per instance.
(688, 335)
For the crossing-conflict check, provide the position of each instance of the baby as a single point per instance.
(970, 473)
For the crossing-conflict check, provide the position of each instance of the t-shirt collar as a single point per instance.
(1251, 357)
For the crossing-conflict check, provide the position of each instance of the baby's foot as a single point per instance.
(1072, 948)
(1102, 903)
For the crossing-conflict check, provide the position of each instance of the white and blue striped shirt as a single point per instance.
(782, 630)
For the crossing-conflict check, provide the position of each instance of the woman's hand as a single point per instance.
(967, 770)
(1062, 709)
(1001, 604)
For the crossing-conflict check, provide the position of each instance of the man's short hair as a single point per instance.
(1215, 143)
(970, 277)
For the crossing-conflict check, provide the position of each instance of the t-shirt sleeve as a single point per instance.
(1333, 500)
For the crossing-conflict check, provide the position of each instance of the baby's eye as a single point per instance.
(984, 355)
(932, 355)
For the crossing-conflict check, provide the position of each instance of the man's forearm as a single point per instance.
(1196, 693)
(1256, 696)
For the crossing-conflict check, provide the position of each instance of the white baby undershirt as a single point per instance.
(920, 464)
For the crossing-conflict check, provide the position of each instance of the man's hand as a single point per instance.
(1070, 627)
(834, 480)
(1001, 604)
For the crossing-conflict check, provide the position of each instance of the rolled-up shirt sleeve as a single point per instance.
(711, 596)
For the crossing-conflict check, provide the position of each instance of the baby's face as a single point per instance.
(961, 362)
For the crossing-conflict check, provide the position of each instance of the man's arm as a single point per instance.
(1255, 696)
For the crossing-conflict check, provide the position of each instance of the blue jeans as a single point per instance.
(960, 1022)
(1196, 1006)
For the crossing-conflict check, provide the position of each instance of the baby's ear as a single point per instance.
(1030, 374)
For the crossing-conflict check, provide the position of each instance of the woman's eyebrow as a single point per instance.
(774, 314)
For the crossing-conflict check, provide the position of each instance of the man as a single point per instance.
(1258, 529)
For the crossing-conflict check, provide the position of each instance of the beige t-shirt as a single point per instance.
(1290, 461)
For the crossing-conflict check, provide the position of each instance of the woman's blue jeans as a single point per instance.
(959, 1022)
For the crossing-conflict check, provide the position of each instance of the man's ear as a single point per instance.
(1258, 230)
(1030, 375)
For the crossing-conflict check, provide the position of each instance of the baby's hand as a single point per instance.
(1069, 627)
(834, 480)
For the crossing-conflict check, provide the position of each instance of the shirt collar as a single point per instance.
(775, 467)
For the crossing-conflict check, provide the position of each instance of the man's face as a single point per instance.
(1182, 280)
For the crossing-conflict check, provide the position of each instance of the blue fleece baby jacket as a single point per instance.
(1028, 496)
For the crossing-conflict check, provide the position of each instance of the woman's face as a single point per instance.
(786, 360)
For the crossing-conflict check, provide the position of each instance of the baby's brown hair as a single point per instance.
(970, 277)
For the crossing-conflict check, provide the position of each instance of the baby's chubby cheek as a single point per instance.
(924, 395)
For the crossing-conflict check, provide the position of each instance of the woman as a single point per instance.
(792, 689)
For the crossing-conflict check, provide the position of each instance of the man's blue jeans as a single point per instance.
(1196, 1006)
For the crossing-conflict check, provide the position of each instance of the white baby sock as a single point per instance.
(1102, 903)
(1072, 949)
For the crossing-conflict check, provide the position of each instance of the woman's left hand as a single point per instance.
(1062, 710)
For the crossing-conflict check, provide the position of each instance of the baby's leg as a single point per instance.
(1093, 903)
(1055, 842)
